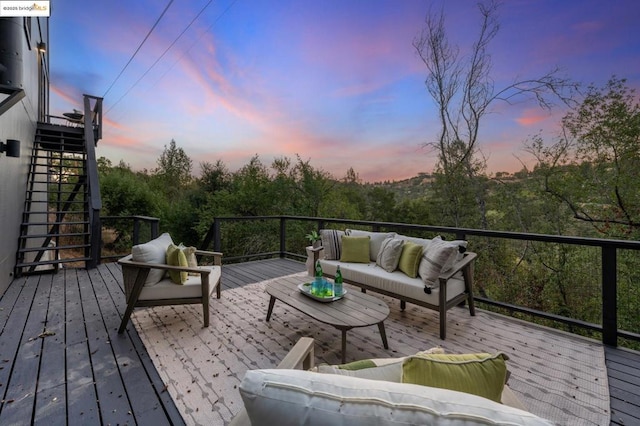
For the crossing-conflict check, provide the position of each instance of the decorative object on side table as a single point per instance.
(314, 238)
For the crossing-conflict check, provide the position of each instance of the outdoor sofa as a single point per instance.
(432, 273)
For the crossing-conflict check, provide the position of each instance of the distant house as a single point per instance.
(24, 101)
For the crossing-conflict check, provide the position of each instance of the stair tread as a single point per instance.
(54, 223)
(52, 262)
(73, 234)
(56, 248)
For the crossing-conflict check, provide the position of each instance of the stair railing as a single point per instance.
(93, 133)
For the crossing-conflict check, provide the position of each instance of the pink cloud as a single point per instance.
(532, 117)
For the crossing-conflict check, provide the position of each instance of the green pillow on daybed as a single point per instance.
(478, 374)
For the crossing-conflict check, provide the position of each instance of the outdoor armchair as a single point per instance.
(146, 283)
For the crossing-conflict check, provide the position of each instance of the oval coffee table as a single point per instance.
(355, 309)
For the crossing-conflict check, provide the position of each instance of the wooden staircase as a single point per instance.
(60, 221)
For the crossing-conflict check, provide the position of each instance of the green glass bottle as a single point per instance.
(317, 287)
(337, 286)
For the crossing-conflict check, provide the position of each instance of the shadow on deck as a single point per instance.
(62, 361)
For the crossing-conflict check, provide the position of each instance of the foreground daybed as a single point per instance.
(432, 273)
(285, 396)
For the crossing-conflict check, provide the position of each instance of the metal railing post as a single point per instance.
(136, 230)
(283, 236)
(609, 296)
(217, 244)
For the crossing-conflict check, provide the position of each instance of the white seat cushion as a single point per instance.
(396, 282)
(167, 289)
(280, 397)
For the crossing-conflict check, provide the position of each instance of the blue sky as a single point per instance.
(336, 82)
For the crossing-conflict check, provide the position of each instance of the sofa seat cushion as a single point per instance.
(395, 282)
(302, 397)
(167, 289)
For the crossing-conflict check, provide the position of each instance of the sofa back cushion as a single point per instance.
(281, 397)
(376, 240)
(155, 251)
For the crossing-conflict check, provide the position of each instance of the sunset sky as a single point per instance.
(336, 82)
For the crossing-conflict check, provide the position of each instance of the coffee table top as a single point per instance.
(355, 309)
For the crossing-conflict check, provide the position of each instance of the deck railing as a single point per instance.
(143, 229)
(604, 262)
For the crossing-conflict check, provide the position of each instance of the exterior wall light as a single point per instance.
(11, 147)
(42, 47)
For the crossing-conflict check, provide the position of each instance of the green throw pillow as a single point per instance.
(410, 258)
(176, 257)
(355, 249)
(478, 374)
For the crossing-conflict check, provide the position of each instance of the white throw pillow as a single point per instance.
(282, 397)
(155, 251)
(389, 254)
(438, 258)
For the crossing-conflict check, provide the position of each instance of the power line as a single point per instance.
(224, 12)
(138, 49)
(161, 56)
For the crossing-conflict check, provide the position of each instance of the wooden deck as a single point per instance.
(62, 361)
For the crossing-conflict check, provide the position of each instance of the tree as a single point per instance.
(594, 165)
(464, 92)
(214, 177)
(174, 167)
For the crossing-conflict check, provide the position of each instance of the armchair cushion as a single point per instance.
(177, 257)
(192, 287)
(155, 251)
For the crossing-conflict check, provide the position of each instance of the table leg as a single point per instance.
(272, 302)
(344, 346)
(383, 334)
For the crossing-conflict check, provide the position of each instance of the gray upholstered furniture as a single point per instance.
(298, 398)
(444, 279)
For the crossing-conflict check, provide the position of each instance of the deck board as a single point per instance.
(623, 369)
(51, 398)
(82, 371)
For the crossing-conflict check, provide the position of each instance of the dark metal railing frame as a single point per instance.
(609, 248)
(93, 133)
(138, 221)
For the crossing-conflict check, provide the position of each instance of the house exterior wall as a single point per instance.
(20, 123)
